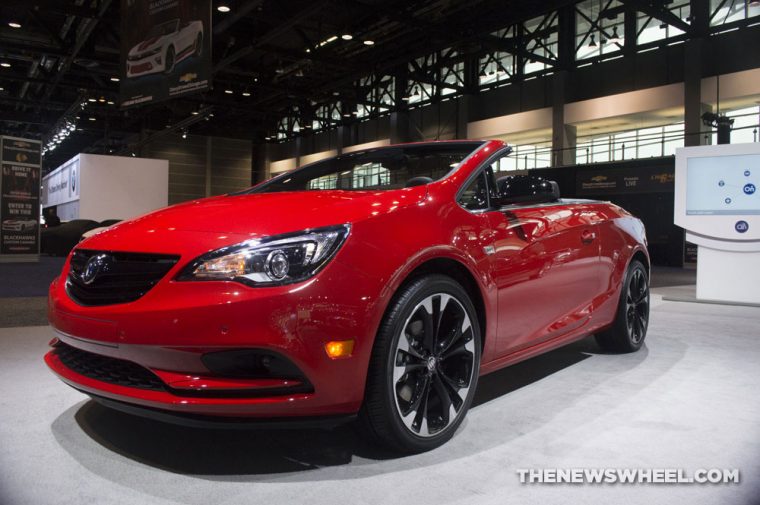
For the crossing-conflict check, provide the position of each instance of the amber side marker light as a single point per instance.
(339, 349)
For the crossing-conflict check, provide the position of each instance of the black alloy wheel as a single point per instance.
(425, 366)
(629, 329)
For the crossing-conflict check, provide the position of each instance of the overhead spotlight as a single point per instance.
(92, 119)
(114, 79)
(184, 134)
(228, 91)
(5, 64)
(223, 7)
(246, 93)
(102, 100)
(194, 113)
(92, 100)
(110, 102)
(369, 42)
(299, 73)
(14, 24)
(2, 88)
(347, 36)
(592, 41)
(615, 39)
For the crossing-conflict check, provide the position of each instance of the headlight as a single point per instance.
(281, 259)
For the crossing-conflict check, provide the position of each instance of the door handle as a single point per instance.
(587, 236)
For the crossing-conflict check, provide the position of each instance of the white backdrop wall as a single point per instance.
(92, 186)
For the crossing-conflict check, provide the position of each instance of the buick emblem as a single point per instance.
(93, 267)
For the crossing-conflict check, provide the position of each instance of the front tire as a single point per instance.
(424, 366)
(629, 329)
(169, 61)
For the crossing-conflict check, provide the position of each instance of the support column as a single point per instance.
(563, 136)
(399, 127)
(346, 137)
(259, 162)
(695, 131)
(463, 115)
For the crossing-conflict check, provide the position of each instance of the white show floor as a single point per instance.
(690, 399)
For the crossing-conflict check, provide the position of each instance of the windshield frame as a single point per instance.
(477, 145)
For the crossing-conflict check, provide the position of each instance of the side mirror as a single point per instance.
(517, 189)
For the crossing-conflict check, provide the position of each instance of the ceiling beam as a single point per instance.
(56, 6)
(82, 36)
(659, 12)
(269, 36)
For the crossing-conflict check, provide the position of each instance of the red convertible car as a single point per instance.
(377, 284)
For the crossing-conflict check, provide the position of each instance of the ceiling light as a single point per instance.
(14, 24)
(347, 36)
(5, 64)
(92, 100)
(102, 100)
(110, 102)
(369, 42)
(2, 88)
(615, 39)
(92, 119)
(184, 134)
(114, 79)
(223, 7)
(228, 91)
(194, 113)
(246, 93)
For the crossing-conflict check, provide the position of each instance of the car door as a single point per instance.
(546, 267)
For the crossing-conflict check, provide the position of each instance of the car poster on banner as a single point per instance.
(165, 49)
(19, 196)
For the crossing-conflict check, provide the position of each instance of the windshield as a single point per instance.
(163, 29)
(375, 170)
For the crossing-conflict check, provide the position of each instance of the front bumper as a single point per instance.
(144, 66)
(169, 330)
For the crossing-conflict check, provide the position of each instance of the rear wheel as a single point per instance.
(198, 49)
(424, 366)
(629, 329)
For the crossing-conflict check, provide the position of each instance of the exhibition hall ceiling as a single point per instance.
(268, 57)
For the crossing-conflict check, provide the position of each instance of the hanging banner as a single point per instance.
(165, 49)
(19, 196)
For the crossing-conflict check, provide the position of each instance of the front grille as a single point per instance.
(119, 278)
(105, 369)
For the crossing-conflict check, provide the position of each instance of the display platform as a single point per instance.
(687, 400)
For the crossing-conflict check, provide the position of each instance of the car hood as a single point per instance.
(210, 223)
(146, 45)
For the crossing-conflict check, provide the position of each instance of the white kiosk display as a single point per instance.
(97, 187)
(717, 202)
